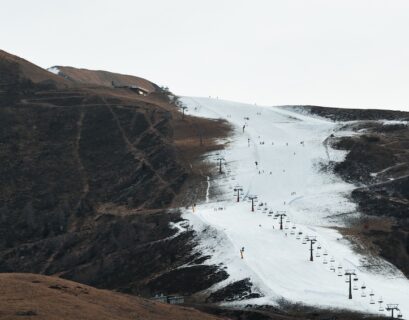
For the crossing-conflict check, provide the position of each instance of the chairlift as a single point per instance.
(381, 308)
(317, 254)
(292, 232)
(319, 247)
(400, 315)
(339, 266)
(304, 241)
(339, 273)
(325, 261)
(380, 300)
(372, 294)
(332, 260)
(287, 220)
(325, 253)
(294, 227)
(363, 287)
(355, 287)
(355, 278)
(286, 227)
(332, 268)
(298, 236)
(372, 301)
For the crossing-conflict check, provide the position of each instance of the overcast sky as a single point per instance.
(341, 53)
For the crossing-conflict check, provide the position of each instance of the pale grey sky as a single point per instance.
(341, 53)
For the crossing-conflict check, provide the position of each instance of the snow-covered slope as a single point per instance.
(278, 156)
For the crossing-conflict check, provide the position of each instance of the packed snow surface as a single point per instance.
(280, 156)
(54, 70)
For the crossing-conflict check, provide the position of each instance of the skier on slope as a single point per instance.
(242, 252)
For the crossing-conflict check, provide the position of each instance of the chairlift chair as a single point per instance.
(339, 273)
(325, 261)
(400, 315)
(325, 253)
(319, 247)
(355, 287)
(372, 301)
(355, 278)
(317, 254)
(332, 268)
(292, 232)
(380, 301)
(332, 259)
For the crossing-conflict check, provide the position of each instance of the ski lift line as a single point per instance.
(365, 266)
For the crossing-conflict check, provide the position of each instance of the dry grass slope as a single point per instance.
(29, 296)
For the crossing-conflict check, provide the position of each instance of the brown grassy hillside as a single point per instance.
(104, 78)
(29, 296)
(24, 69)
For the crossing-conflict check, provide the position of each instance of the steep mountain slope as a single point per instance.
(285, 159)
(12, 67)
(89, 179)
(377, 163)
(93, 177)
(29, 296)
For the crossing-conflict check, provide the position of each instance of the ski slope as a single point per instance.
(289, 149)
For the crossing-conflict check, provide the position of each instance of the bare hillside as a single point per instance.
(29, 296)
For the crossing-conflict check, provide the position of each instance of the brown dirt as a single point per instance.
(29, 296)
(104, 78)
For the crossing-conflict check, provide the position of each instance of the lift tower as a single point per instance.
(280, 214)
(312, 240)
(220, 160)
(392, 308)
(253, 199)
(238, 189)
(349, 273)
